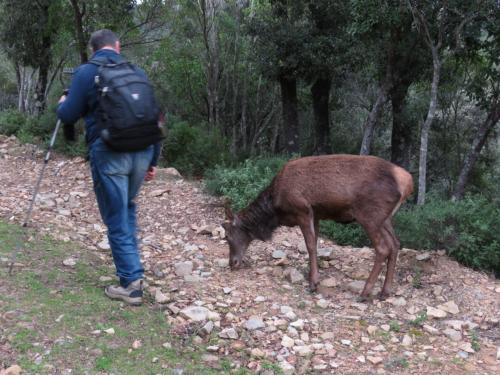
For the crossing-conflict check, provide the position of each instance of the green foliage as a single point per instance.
(192, 149)
(419, 320)
(345, 234)
(11, 121)
(394, 326)
(474, 340)
(466, 229)
(244, 182)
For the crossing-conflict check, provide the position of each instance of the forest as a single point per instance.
(248, 84)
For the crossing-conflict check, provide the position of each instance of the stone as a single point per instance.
(452, 334)
(298, 324)
(183, 268)
(303, 350)
(455, 324)
(258, 353)
(346, 342)
(423, 256)
(331, 282)
(208, 327)
(466, 347)
(430, 329)
(356, 286)
(294, 276)
(158, 192)
(195, 313)
(12, 370)
(361, 359)
(435, 313)
(136, 344)
(227, 290)
(407, 341)
(287, 342)
(371, 329)
(105, 279)
(287, 368)
(110, 331)
(229, 333)
(254, 323)
(104, 245)
(396, 301)
(323, 303)
(69, 262)
(450, 307)
(374, 360)
(160, 297)
(278, 254)
(222, 262)
(325, 253)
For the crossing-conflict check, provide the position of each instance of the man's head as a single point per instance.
(104, 39)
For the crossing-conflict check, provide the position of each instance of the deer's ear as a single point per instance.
(229, 212)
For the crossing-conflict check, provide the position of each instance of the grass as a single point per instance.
(51, 311)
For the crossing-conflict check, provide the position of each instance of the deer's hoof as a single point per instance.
(364, 298)
(382, 296)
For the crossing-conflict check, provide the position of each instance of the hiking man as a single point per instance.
(117, 173)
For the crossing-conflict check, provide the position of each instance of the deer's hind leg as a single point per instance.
(382, 251)
(309, 227)
(393, 242)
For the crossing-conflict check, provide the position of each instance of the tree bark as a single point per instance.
(80, 37)
(289, 113)
(477, 145)
(424, 133)
(401, 131)
(320, 92)
(372, 119)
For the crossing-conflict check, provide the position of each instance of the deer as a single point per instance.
(344, 188)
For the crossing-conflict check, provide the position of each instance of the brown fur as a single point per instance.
(344, 188)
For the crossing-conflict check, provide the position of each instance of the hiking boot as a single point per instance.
(132, 294)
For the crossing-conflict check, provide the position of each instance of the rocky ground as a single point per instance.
(443, 318)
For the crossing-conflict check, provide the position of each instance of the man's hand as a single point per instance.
(150, 174)
(62, 99)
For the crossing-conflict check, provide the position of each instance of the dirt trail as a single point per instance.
(443, 318)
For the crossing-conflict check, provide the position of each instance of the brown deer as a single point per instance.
(344, 188)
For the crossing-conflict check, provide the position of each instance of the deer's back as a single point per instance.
(337, 182)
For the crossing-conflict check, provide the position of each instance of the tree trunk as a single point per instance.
(40, 88)
(320, 92)
(80, 37)
(401, 131)
(289, 113)
(477, 144)
(424, 133)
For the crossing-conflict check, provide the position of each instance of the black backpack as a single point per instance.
(127, 114)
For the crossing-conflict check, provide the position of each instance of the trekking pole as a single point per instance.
(35, 193)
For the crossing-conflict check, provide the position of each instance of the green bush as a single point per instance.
(11, 121)
(192, 149)
(244, 182)
(467, 230)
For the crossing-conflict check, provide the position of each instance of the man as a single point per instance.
(117, 176)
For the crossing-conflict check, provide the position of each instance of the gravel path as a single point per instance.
(443, 318)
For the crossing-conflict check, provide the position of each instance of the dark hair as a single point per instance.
(102, 38)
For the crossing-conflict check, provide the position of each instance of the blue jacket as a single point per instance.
(82, 99)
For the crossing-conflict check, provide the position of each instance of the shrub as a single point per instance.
(244, 182)
(11, 121)
(467, 230)
(192, 149)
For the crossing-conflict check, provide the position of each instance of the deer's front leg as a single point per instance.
(310, 237)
